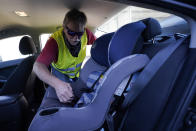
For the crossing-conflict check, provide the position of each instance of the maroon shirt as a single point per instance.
(50, 51)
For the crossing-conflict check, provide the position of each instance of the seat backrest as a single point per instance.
(106, 52)
(98, 60)
(17, 80)
(145, 111)
(102, 56)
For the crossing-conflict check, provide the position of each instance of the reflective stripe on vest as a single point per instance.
(71, 69)
(66, 63)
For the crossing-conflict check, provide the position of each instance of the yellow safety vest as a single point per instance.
(66, 63)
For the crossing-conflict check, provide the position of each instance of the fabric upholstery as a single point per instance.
(99, 50)
(124, 40)
(157, 81)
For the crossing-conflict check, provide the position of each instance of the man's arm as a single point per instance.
(47, 56)
(91, 37)
(63, 89)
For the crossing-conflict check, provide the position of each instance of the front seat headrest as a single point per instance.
(27, 46)
(153, 28)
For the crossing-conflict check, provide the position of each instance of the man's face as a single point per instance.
(73, 32)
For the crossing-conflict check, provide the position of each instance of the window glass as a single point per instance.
(127, 15)
(43, 39)
(9, 49)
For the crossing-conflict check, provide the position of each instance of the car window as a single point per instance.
(43, 39)
(127, 15)
(9, 49)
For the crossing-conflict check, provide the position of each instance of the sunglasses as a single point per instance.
(72, 33)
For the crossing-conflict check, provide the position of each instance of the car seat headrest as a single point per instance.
(99, 50)
(27, 46)
(153, 28)
(124, 41)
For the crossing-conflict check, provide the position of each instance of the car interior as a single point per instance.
(142, 75)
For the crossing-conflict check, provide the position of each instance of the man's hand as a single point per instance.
(64, 92)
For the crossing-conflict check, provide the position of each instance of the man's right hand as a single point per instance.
(64, 92)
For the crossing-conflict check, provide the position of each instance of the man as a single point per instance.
(65, 52)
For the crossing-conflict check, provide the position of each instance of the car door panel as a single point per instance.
(6, 68)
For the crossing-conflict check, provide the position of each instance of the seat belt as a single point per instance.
(92, 88)
(142, 81)
(119, 93)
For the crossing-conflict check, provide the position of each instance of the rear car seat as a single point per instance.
(13, 104)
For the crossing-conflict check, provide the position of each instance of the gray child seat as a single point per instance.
(116, 57)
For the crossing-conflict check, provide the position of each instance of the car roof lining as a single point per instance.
(51, 16)
(47, 20)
